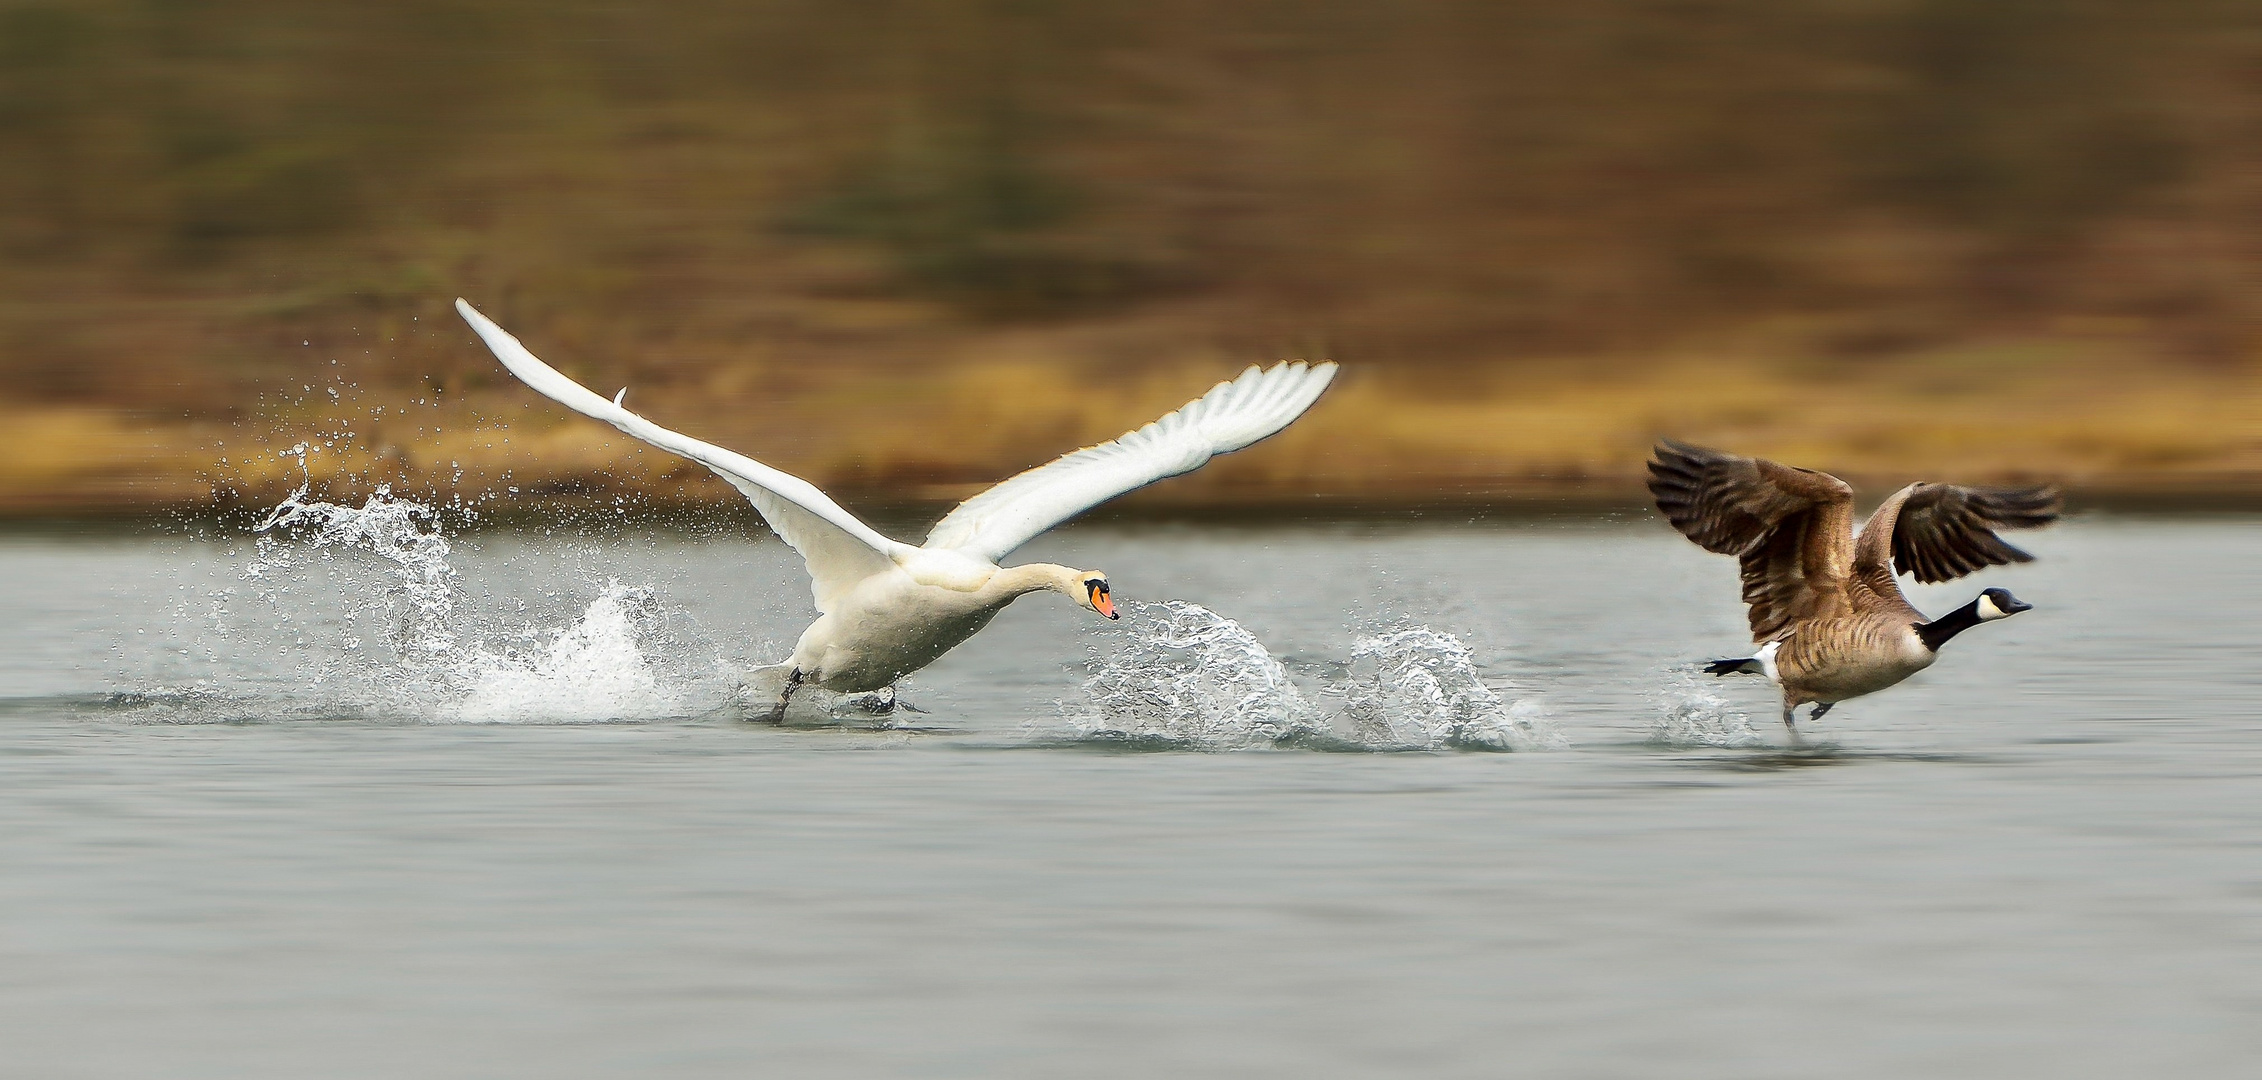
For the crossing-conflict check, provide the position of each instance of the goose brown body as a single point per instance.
(1836, 659)
(1825, 604)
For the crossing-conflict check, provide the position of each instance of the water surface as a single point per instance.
(313, 822)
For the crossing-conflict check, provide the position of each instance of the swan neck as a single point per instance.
(1017, 581)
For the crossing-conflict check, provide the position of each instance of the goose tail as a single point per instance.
(1742, 665)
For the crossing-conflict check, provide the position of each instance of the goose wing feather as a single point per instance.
(1790, 528)
(1940, 532)
(1232, 415)
(838, 549)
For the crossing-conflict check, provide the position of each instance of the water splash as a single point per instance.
(421, 594)
(593, 670)
(1417, 688)
(1190, 677)
(1691, 713)
(443, 668)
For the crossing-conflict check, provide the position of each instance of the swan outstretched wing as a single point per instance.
(839, 550)
(1229, 417)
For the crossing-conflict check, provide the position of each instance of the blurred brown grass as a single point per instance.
(906, 248)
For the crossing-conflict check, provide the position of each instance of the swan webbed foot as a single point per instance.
(885, 701)
(776, 714)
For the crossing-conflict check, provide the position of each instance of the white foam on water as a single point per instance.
(1414, 687)
(1690, 713)
(1185, 675)
(592, 670)
(598, 667)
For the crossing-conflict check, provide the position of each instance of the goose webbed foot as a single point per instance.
(1820, 708)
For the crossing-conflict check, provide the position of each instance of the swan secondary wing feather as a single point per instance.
(838, 549)
(1232, 415)
(1790, 528)
(1940, 532)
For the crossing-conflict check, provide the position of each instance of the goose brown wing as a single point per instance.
(1940, 532)
(1791, 528)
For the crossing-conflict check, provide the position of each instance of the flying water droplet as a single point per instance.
(1692, 714)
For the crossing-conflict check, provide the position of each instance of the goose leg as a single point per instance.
(1819, 709)
(785, 697)
(1791, 723)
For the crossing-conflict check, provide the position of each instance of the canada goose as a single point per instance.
(887, 609)
(1826, 612)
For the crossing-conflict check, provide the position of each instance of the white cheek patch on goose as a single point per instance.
(1988, 612)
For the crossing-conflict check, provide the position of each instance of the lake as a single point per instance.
(1436, 798)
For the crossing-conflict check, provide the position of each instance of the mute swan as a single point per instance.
(887, 609)
(1826, 611)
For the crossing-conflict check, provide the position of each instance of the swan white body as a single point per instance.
(886, 608)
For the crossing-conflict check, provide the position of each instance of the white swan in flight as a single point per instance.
(886, 608)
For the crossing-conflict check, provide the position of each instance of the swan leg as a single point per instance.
(785, 697)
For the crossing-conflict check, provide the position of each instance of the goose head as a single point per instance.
(1996, 604)
(1990, 605)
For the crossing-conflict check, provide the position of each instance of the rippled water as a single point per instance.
(361, 799)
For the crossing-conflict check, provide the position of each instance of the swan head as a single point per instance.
(1091, 592)
(1087, 587)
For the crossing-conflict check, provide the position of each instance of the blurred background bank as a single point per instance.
(906, 247)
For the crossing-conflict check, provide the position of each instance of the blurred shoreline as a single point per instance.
(910, 522)
(2109, 428)
(906, 250)
(613, 481)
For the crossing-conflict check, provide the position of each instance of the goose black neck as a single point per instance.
(1937, 632)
